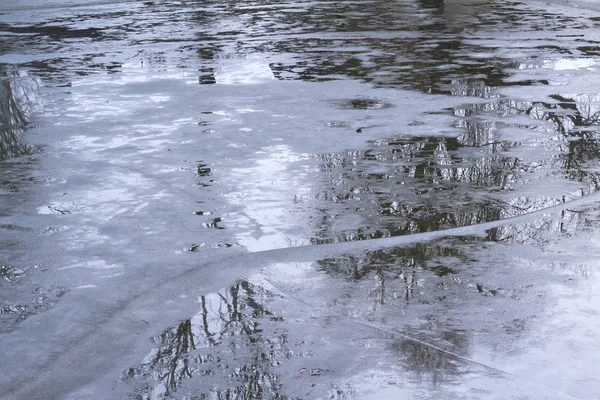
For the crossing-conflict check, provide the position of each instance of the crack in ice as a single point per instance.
(110, 332)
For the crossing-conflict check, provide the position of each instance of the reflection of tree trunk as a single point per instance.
(234, 309)
(379, 291)
(181, 346)
(12, 122)
(582, 146)
(231, 316)
(209, 335)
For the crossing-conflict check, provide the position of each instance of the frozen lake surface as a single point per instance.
(299, 200)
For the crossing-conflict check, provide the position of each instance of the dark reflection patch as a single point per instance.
(53, 31)
(412, 184)
(426, 360)
(17, 101)
(232, 344)
(363, 104)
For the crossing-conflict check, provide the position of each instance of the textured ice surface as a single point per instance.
(299, 200)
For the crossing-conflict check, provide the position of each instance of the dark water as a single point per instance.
(154, 153)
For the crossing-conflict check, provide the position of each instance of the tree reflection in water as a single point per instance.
(236, 347)
(16, 103)
(222, 345)
(409, 185)
(430, 363)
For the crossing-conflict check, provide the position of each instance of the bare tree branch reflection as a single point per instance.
(16, 103)
(223, 344)
(430, 363)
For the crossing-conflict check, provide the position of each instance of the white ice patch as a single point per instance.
(561, 64)
(244, 72)
(572, 64)
(91, 264)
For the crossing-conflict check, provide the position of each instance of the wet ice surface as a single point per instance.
(156, 153)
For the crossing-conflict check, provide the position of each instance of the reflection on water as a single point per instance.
(428, 45)
(17, 99)
(427, 50)
(433, 303)
(414, 185)
(225, 345)
(389, 265)
(235, 347)
(430, 363)
(17, 102)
